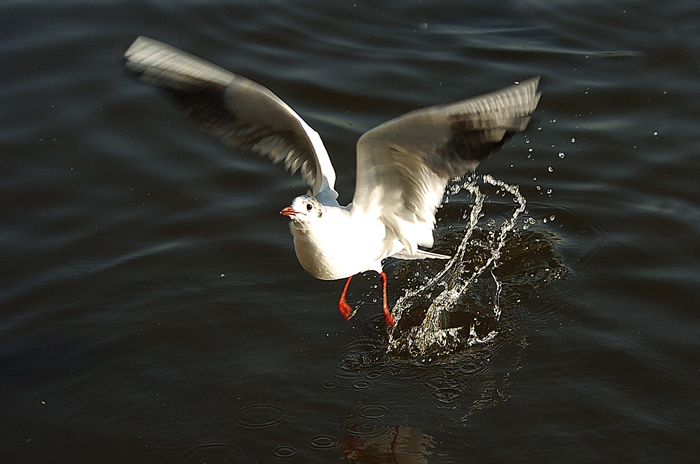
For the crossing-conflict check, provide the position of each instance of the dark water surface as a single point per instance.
(151, 306)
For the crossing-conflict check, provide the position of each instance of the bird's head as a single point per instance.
(304, 210)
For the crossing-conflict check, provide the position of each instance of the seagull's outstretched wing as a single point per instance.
(240, 112)
(404, 164)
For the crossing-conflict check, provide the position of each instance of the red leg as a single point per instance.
(343, 306)
(385, 307)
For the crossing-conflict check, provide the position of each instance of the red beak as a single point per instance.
(288, 211)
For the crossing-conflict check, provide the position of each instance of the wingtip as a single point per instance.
(123, 51)
(137, 45)
(537, 83)
(135, 56)
(163, 65)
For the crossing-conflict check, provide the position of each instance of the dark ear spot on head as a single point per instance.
(314, 204)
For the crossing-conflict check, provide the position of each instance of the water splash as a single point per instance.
(461, 316)
(432, 331)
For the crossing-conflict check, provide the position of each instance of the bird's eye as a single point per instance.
(309, 207)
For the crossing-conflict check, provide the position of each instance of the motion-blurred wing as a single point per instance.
(240, 112)
(404, 164)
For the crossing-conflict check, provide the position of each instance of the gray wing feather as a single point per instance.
(242, 113)
(404, 164)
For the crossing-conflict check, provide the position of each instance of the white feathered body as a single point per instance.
(341, 244)
(403, 165)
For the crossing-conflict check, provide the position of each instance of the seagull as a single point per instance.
(403, 165)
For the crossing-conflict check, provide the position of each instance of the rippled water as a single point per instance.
(152, 308)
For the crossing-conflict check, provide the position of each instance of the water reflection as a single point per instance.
(398, 444)
(501, 260)
(214, 452)
(260, 415)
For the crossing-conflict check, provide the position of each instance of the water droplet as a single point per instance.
(284, 451)
(372, 375)
(330, 384)
(561, 154)
(552, 217)
(573, 140)
(550, 169)
(373, 411)
(362, 384)
(323, 441)
(218, 452)
(259, 415)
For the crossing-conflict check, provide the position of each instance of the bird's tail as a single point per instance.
(420, 254)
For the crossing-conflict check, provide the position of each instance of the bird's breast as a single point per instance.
(342, 248)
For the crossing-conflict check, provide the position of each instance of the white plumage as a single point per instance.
(403, 165)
